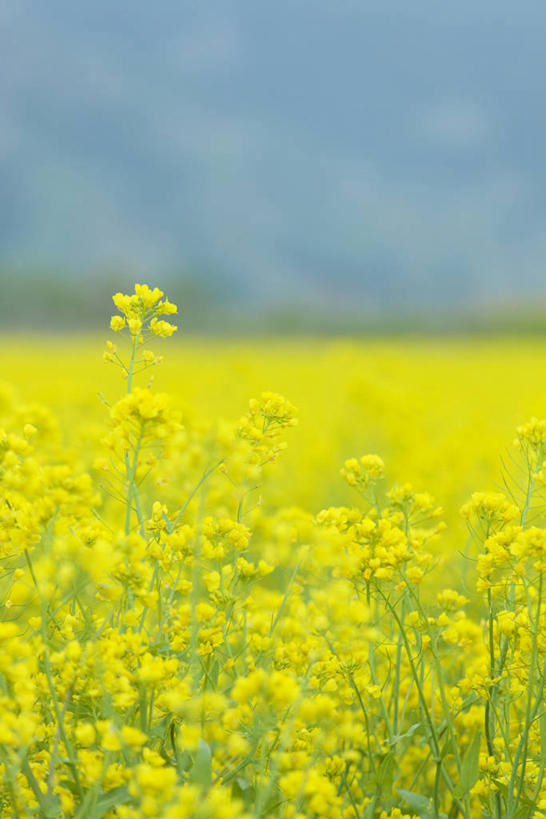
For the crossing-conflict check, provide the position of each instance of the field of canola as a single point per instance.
(198, 622)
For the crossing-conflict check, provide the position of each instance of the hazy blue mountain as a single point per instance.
(371, 154)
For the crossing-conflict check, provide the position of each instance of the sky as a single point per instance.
(368, 155)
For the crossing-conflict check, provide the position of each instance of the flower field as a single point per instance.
(218, 601)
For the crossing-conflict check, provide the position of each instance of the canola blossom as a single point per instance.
(176, 644)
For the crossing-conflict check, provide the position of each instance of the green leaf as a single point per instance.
(470, 769)
(399, 737)
(501, 787)
(244, 790)
(110, 799)
(369, 811)
(446, 748)
(201, 772)
(469, 700)
(416, 801)
(385, 775)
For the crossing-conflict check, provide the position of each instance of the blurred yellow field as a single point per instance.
(247, 588)
(441, 412)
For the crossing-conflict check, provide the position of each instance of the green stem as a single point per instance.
(439, 673)
(131, 367)
(131, 469)
(531, 486)
(172, 526)
(530, 713)
(436, 751)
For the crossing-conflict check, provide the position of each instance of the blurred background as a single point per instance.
(311, 167)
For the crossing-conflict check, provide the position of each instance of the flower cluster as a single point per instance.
(262, 425)
(141, 312)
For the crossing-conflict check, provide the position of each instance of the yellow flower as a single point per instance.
(117, 323)
(133, 736)
(85, 734)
